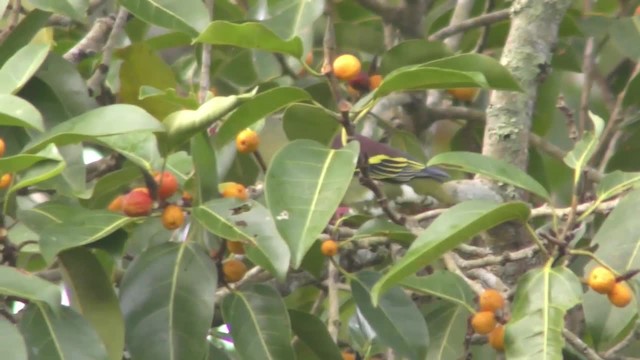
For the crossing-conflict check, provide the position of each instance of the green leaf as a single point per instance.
(98, 122)
(455, 226)
(494, 168)
(396, 320)
(93, 296)
(302, 121)
(615, 183)
(251, 35)
(624, 32)
(167, 298)
(188, 16)
(21, 67)
(313, 333)
(542, 299)
(633, 89)
(257, 108)
(383, 227)
(605, 323)
(73, 9)
(449, 332)
(23, 33)
(581, 153)
(418, 78)
(15, 111)
(445, 285)
(294, 18)
(86, 227)
(61, 335)
(412, 52)
(23, 285)
(11, 342)
(169, 95)
(206, 173)
(37, 173)
(252, 222)
(303, 187)
(259, 323)
(20, 162)
(141, 148)
(496, 75)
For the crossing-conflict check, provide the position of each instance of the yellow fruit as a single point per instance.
(329, 248)
(186, 196)
(463, 94)
(483, 322)
(235, 190)
(235, 247)
(167, 184)
(233, 270)
(348, 355)
(247, 141)
(620, 295)
(5, 181)
(496, 338)
(374, 81)
(491, 300)
(346, 67)
(116, 204)
(3, 147)
(172, 217)
(601, 280)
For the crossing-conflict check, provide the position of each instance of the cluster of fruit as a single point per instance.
(484, 321)
(348, 68)
(5, 180)
(603, 281)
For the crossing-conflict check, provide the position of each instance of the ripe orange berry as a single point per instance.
(141, 189)
(346, 67)
(348, 355)
(374, 81)
(483, 322)
(3, 147)
(491, 300)
(235, 247)
(116, 204)
(329, 248)
(601, 280)
(235, 190)
(137, 203)
(167, 184)
(5, 181)
(186, 196)
(637, 12)
(233, 270)
(496, 338)
(247, 141)
(463, 94)
(620, 295)
(172, 217)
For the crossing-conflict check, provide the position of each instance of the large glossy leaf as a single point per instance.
(447, 331)
(15, 111)
(396, 320)
(98, 122)
(86, 227)
(497, 76)
(625, 31)
(386, 228)
(455, 226)
(141, 148)
(23, 285)
(229, 219)
(444, 285)
(21, 67)
(206, 171)
(605, 323)
(294, 18)
(302, 121)
(23, 33)
(612, 184)
(257, 108)
(259, 323)
(303, 187)
(412, 52)
(93, 296)
(250, 35)
(20, 162)
(11, 342)
(494, 168)
(73, 9)
(417, 78)
(167, 298)
(581, 153)
(542, 299)
(62, 335)
(188, 16)
(313, 333)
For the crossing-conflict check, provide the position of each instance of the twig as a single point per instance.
(14, 16)
(333, 316)
(103, 166)
(588, 62)
(546, 210)
(568, 114)
(473, 250)
(205, 77)
(406, 18)
(256, 274)
(429, 214)
(633, 336)
(91, 43)
(482, 20)
(580, 346)
(482, 41)
(95, 81)
(521, 254)
(451, 265)
(260, 161)
(558, 153)
(488, 278)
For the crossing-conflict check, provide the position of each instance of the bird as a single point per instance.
(390, 165)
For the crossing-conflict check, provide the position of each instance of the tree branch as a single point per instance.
(482, 20)
(580, 346)
(93, 42)
(205, 80)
